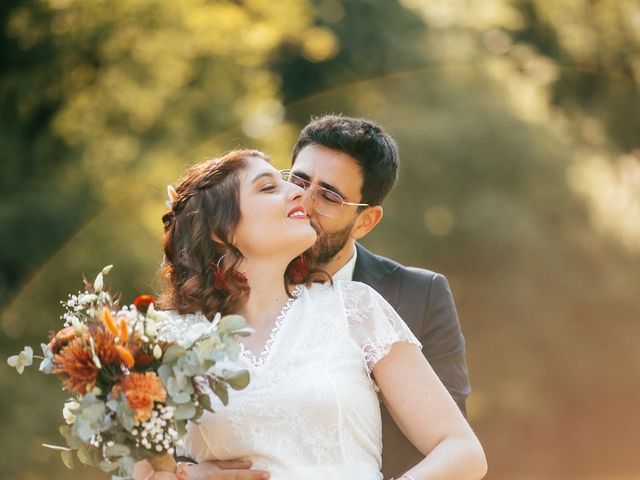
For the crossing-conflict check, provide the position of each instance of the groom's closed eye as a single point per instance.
(325, 185)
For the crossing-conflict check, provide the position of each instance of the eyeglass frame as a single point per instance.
(314, 188)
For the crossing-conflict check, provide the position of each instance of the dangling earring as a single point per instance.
(298, 269)
(218, 280)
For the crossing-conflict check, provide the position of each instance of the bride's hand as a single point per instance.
(222, 470)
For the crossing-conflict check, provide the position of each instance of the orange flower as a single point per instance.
(143, 360)
(109, 322)
(142, 302)
(124, 330)
(125, 355)
(105, 347)
(75, 362)
(62, 338)
(141, 391)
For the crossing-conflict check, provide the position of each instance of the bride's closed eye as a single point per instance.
(268, 187)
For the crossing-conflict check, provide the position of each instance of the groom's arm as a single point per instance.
(239, 469)
(442, 340)
(181, 458)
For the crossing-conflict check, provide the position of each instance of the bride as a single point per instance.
(323, 355)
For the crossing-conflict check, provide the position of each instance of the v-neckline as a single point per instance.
(259, 360)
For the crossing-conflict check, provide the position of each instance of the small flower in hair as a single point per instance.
(173, 196)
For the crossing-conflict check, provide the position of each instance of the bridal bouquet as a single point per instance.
(132, 388)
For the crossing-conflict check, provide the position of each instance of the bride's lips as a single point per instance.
(297, 212)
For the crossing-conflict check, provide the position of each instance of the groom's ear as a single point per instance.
(367, 220)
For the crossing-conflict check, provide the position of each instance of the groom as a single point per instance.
(357, 160)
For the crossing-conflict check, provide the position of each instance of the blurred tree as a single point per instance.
(95, 94)
(102, 102)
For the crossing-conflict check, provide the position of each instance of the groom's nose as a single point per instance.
(307, 201)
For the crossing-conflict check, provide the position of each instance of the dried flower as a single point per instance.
(109, 322)
(141, 391)
(124, 330)
(23, 359)
(142, 302)
(75, 363)
(125, 356)
(105, 347)
(68, 410)
(62, 338)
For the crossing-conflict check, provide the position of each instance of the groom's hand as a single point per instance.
(222, 470)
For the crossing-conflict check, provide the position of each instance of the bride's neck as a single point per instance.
(267, 295)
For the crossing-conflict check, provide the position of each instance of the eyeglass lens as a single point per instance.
(325, 202)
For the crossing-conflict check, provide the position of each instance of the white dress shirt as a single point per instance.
(346, 272)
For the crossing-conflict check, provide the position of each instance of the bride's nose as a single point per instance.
(295, 192)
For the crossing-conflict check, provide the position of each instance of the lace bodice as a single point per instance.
(311, 409)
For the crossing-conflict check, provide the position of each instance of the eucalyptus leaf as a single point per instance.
(181, 427)
(184, 412)
(83, 455)
(117, 450)
(172, 354)
(238, 380)
(67, 458)
(73, 441)
(95, 457)
(221, 390)
(232, 347)
(108, 466)
(205, 401)
(243, 332)
(229, 323)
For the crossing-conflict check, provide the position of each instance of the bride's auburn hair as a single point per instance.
(198, 231)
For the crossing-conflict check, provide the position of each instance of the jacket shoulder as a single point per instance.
(422, 275)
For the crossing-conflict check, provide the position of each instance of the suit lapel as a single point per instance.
(374, 272)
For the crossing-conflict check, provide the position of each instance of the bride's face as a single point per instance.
(273, 221)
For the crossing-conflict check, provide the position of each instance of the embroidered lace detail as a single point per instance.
(259, 360)
(374, 324)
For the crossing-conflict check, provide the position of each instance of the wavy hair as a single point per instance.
(198, 232)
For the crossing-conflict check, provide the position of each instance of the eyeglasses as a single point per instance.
(324, 201)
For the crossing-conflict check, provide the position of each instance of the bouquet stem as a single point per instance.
(163, 463)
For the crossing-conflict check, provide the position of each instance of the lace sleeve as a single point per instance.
(374, 324)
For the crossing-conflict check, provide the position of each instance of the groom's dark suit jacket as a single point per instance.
(423, 299)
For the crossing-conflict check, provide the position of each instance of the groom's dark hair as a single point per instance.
(367, 142)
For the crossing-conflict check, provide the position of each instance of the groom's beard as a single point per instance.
(329, 244)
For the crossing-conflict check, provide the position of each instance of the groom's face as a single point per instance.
(340, 173)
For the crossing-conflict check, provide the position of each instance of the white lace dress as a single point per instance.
(311, 410)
